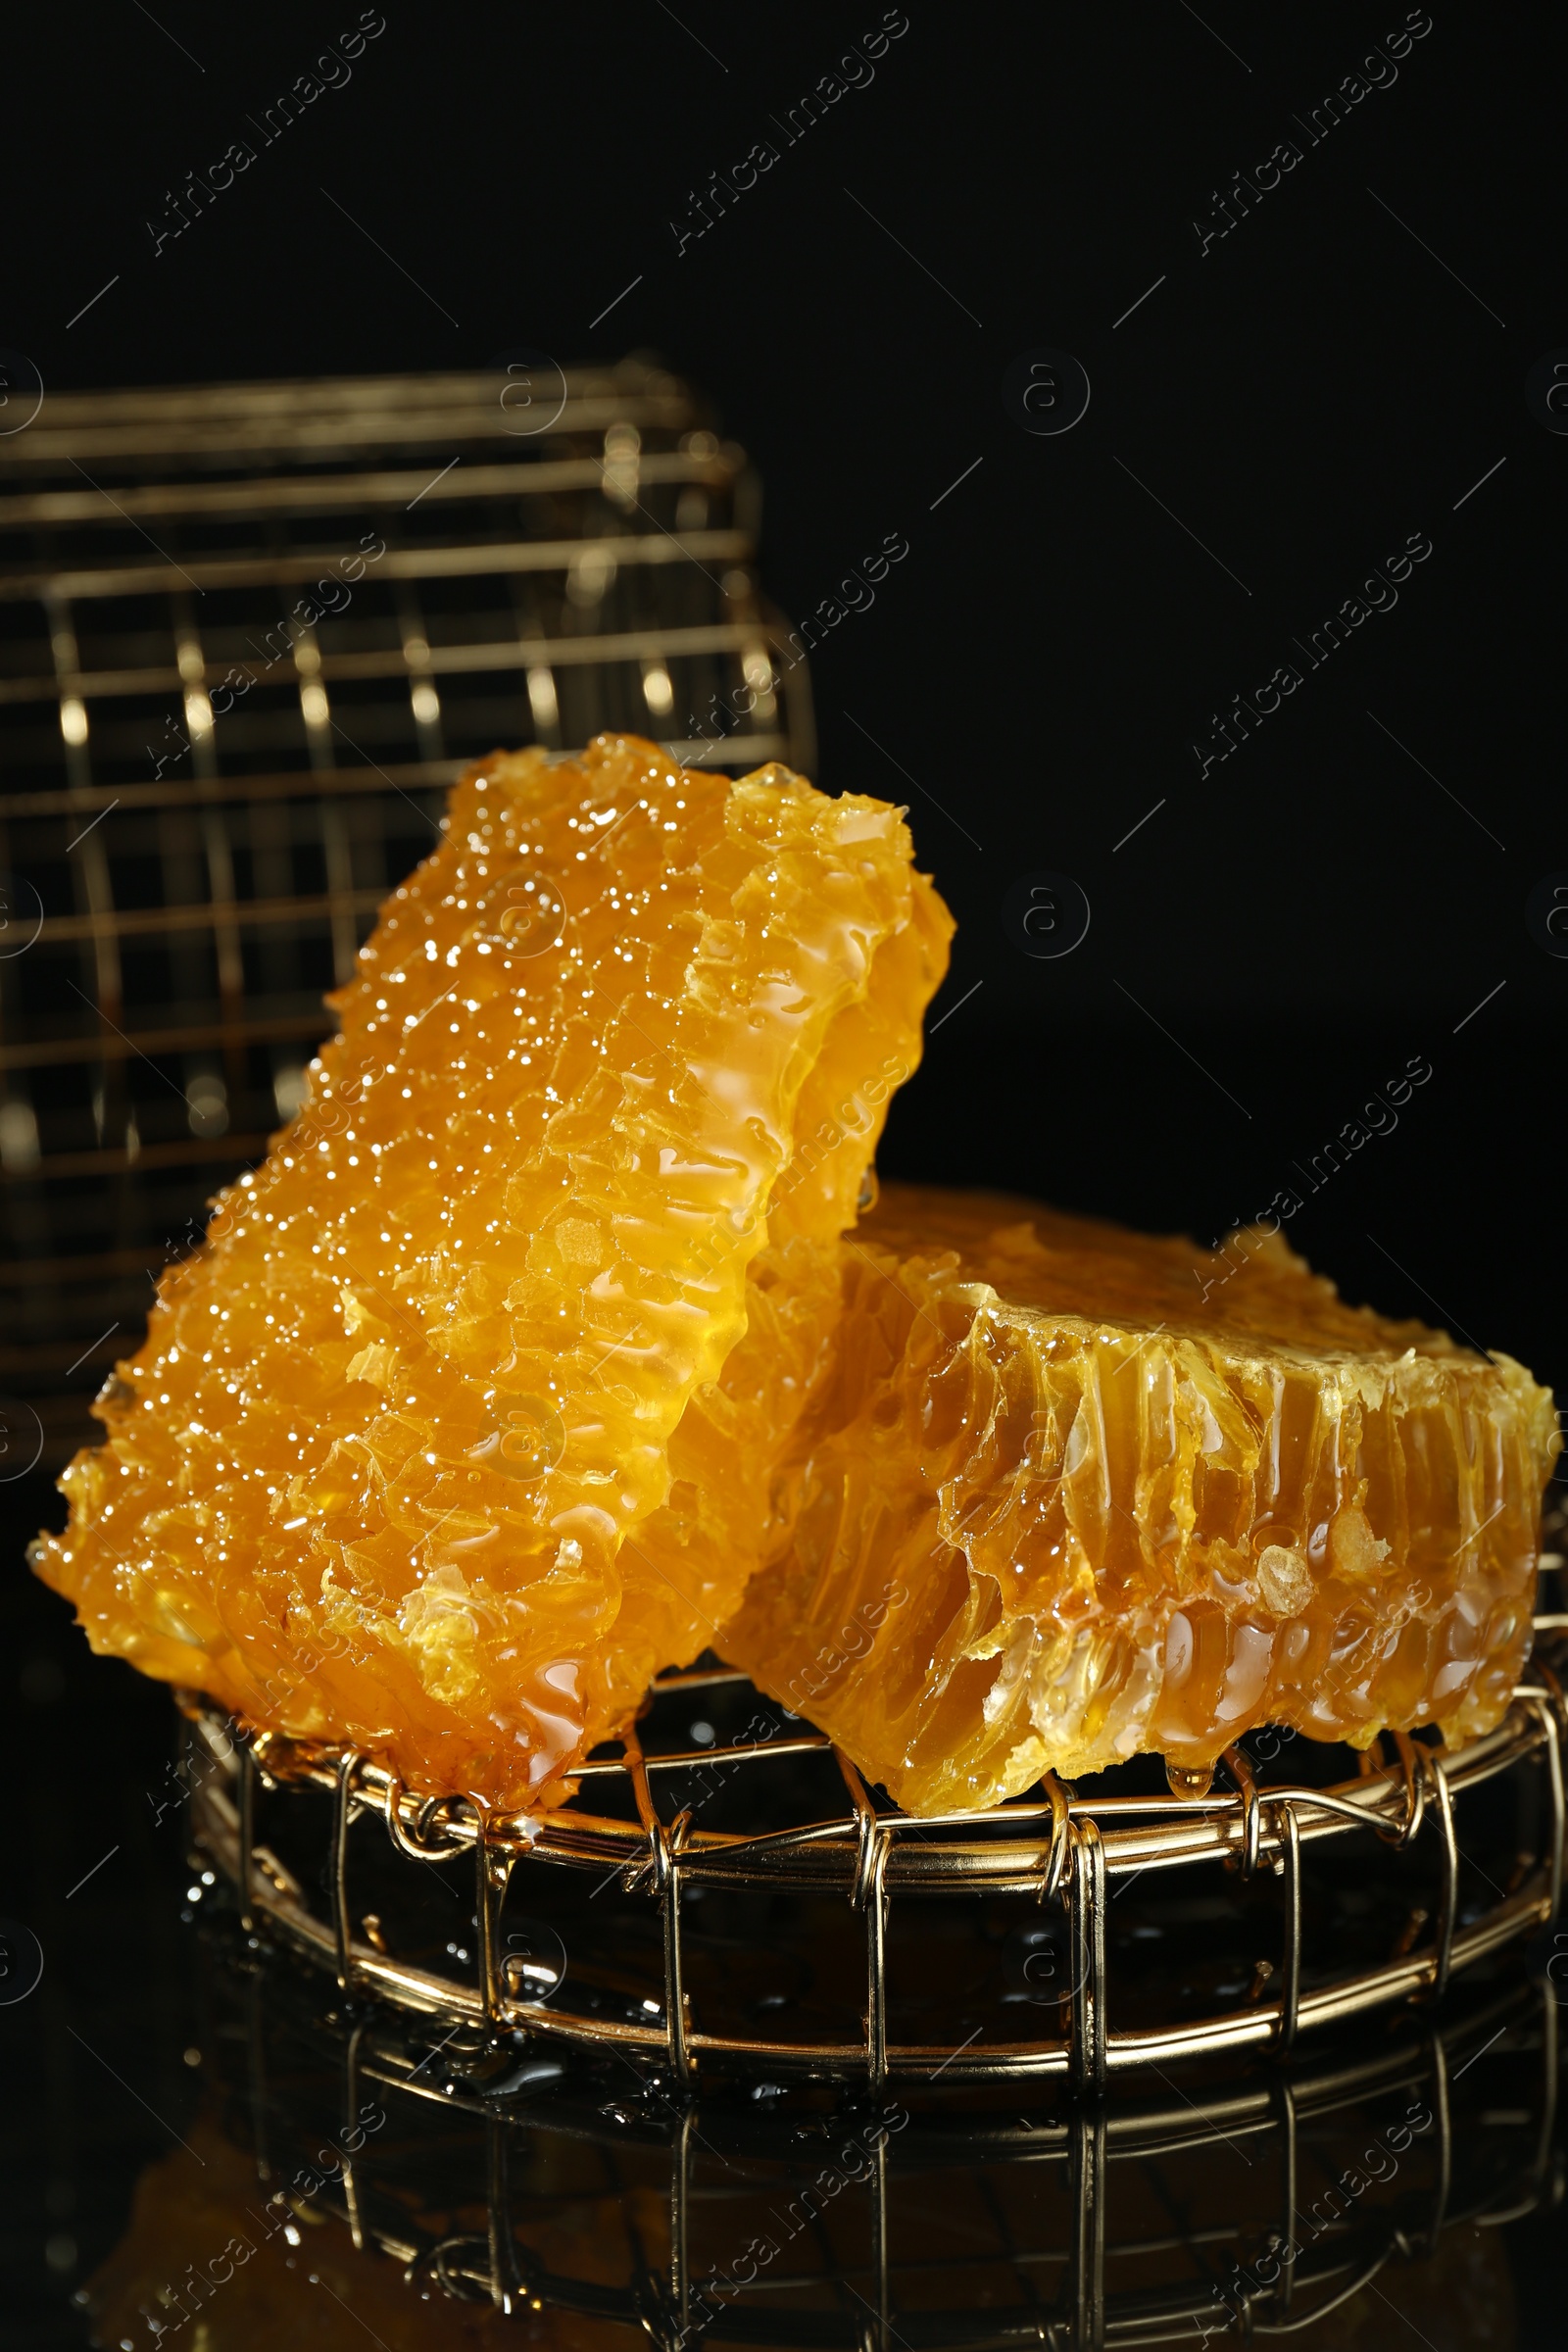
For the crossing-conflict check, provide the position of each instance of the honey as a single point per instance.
(544, 1352)
(1062, 1494)
(377, 1472)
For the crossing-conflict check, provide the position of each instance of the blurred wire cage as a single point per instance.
(248, 635)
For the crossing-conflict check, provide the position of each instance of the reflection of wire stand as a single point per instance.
(1078, 2276)
(1060, 1847)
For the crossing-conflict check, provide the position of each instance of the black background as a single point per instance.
(1284, 933)
(1304, 396)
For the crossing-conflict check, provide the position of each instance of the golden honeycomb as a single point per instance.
(377, 1473)
(1062, 1494)
(541, 1355)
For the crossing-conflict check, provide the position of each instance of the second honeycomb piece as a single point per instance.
(1065, 1494)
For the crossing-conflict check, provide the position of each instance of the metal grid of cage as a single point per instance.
(248, 636)
(1050, 2247)
(1056, 1847)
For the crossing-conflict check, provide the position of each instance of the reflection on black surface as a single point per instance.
(348, 2171)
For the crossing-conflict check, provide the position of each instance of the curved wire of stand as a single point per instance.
(1060, 1847)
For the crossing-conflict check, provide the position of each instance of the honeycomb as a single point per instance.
(377, 1475)
(541, 1355)
(1060, 1494)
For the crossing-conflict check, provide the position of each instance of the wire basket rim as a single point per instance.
(1253, 1830)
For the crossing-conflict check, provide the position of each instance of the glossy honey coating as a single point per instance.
(377, 1473)
(1064, 1493)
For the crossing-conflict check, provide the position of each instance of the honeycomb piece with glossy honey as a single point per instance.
(1064, 1493)
(376, 1473)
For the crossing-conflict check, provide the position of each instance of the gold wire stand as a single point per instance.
(1060, 1847)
